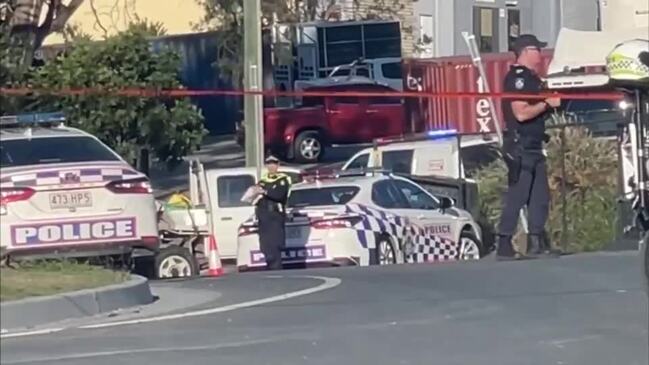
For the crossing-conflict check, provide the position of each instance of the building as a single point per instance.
(100, 18)
(496, 23)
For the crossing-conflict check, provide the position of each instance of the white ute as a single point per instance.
(63, 192)
(216, 209)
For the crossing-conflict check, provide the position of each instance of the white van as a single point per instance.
(428, 157)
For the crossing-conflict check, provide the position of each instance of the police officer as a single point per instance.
(523, 152)
(271, 213)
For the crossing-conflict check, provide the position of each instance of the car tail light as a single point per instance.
(247, 230)
(135, 186)
(334, 223)
(10, 195)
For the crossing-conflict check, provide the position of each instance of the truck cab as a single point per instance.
(305, 132)
(441, 155)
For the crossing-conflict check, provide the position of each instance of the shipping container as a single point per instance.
(451, 75)
(198, 70)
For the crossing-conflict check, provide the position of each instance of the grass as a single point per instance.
(33, 279)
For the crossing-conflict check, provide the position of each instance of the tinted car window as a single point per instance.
(398, 161)
(323, 196)
(391, 70)
(232, 188)
(386, 196)
(417, 197)
(35, 151)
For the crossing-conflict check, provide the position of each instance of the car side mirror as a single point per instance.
(445, 203)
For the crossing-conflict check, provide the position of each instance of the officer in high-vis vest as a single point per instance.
(271, 213)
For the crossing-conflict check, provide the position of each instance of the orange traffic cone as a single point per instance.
(215, 267)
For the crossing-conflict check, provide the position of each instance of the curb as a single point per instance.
(83, 303)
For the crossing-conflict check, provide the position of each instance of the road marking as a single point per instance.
(328, 283)
(88, 355)
(31, 333)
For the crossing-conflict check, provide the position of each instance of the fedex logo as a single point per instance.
(71, 232)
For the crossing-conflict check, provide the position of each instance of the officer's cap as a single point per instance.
(527, 40)
(271, 159)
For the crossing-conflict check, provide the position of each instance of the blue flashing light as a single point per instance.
(32, 119)
(442, 133)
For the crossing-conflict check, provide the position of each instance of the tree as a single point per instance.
(171, 129)
(23, 32)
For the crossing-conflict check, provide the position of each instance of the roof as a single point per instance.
(328, 24)
(357, 180)
(248, 170)
(569, 54)
(15, 133)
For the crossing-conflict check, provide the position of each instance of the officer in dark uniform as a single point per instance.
(271, 213)
(523, 152)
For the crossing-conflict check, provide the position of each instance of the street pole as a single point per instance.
(252, 80)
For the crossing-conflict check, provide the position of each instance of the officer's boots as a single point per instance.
(506, 252)
(539, 246)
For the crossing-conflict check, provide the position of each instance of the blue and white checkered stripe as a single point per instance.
(58, 177)
(374, 222)
(424, 246)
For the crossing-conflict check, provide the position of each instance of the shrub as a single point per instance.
(590, 183)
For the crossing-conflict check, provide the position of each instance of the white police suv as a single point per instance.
(63, 192)
(366, 220)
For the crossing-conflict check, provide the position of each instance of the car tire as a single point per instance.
(175, 262)
(384, 253)
(469, 247)
(308, 147)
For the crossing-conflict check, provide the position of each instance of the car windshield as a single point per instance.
(337, 195)
(37, 151)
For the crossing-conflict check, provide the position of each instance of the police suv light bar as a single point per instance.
(428, 135)
(32, 119)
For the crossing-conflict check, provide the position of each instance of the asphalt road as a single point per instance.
(588, 309)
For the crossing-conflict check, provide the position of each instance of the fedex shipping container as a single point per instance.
(451, 75)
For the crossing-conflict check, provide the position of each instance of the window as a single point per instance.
(312, 101)
(385, 195)
(391, 70)
(485, 27)
(397, 161)
(513, 26)
(35, 151)
(337, 195)
(417, 198)
(347, 100)
(359, 162)
(426, 37)
(232, 188)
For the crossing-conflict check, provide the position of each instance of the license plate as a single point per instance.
(69, 200)
(294, 233)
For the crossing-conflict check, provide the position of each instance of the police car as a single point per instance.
(62, 191)
(366, 220)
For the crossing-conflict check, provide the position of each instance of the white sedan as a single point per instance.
(366, 220)
(63, 192)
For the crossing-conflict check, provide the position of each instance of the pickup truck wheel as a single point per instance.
(308, 147)
(175, 262)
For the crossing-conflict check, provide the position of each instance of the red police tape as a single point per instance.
(180, 93)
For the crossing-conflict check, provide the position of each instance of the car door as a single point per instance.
(230, 211)
(344, 119)
(386, 114)
(425, 209)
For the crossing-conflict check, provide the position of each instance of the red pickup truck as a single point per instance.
(304, 133)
